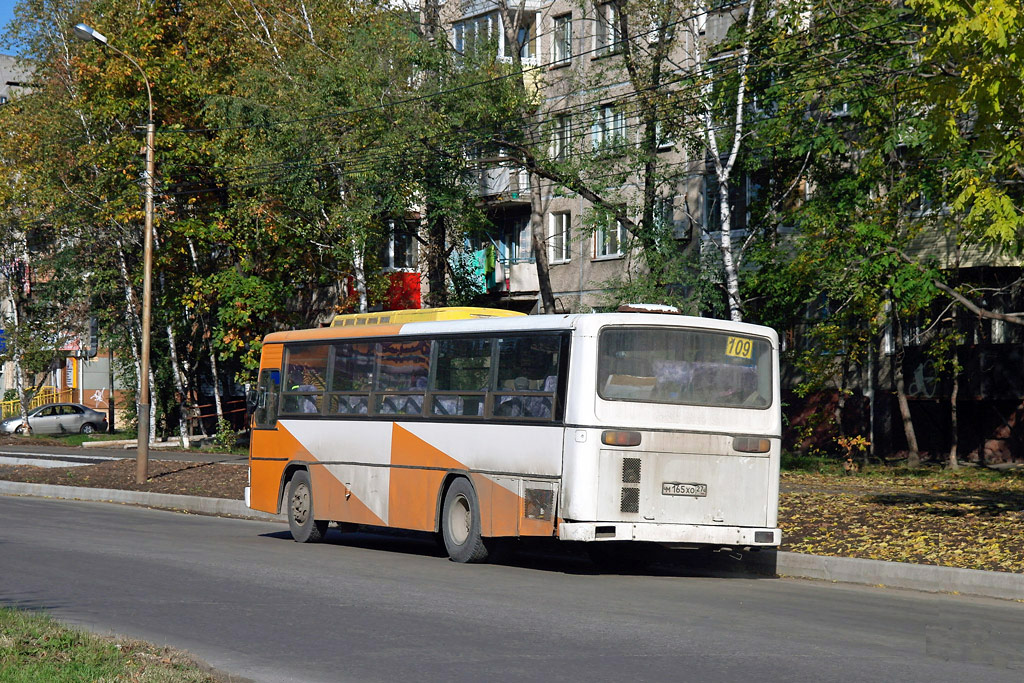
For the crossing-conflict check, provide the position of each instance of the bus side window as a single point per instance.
(527, 377)
(461, 377)
(352, 378)
(401, 381)
(269, 388)
(306, 379)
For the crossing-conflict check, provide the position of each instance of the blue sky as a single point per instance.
(6, 13)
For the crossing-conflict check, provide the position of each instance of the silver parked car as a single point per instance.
(58, 418)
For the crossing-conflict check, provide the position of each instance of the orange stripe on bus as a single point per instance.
(334, 501)
(499, 507)
(413, 493)
(266, 475)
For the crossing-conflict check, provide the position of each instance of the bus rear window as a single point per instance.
(684, 366)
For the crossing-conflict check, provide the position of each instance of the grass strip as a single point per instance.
(35, 647)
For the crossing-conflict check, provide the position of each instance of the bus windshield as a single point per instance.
(685, 367)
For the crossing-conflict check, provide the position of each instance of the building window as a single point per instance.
(474, 33)
(526, 38)
(400, 251)
(561, 237)
(609, 239)
(609, 127)
(562, 39)
(665, 142)
(561, 137)
(607, 36)
(487, 32)
(665, 219)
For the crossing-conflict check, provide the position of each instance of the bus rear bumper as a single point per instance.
(670, 534)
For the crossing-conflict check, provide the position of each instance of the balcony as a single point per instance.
(502, 183)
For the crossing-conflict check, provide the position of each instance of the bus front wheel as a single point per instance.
(304, 528)
(460, 523)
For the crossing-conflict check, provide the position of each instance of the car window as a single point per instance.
(74, 410)
(47, 412)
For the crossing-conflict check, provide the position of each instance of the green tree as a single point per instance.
(973, 79)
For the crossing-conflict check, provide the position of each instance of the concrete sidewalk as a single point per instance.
(928, 578)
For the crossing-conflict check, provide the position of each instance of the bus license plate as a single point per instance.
(674, 488)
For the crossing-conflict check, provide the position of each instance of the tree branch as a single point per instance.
(1015, 318)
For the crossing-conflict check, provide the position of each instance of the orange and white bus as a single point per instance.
(584, 427)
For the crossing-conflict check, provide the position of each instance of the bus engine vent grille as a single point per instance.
(630, 499)
(631, 470)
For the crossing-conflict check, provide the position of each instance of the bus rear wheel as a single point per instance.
(304, 528)
(460, 523)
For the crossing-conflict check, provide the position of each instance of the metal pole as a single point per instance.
(89, 34)
(142, 461)
(110, 395)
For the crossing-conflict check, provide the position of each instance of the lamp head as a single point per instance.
(89, 34)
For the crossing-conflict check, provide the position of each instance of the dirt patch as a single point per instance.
(211, 480)
(18, 440)
(972, 524)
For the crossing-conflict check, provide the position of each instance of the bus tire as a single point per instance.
(460, 523)
(304, 528)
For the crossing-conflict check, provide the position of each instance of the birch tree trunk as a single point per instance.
(152, 406)
(179, 383)
(359, 268)
(211, 356)
(217, 404)
(729, 265)
(731, 256)
(133, 326)
(16, 360)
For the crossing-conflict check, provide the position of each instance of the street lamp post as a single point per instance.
(91, 35)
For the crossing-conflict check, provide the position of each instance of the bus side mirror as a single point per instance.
(252, 398)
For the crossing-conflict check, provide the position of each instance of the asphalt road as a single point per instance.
(245, 598)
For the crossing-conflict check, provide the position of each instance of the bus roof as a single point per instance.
(585, 323)
(415, 315)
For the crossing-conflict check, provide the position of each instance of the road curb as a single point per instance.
(921, 577)
(168, 501)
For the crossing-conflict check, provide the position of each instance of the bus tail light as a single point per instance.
(610, 438)
(750, 444)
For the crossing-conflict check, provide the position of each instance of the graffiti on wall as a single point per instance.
(98, 399)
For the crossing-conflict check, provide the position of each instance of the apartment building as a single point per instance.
(572, 53)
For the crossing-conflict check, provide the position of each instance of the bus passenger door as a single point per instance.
(268, 389)
(264, 465)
